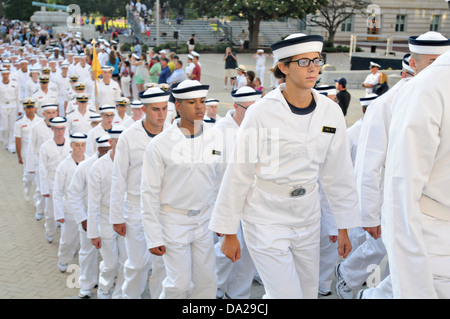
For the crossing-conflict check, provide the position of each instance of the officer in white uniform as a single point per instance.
(121, 110)
(372, 79)
(51, 154)
(211, 115)
(69, 241)
(287, 140)
(260, 57)
(44, 94)
(40, 133)
(107, 114)
(10, 109)
(125, 212)
(22, 132)
(175, 216)
(374, 144)
(32, 83)
(78, 120)
(137, 111)
(108, 90)
(23, 74)
(235, 279)
(62, 80)
(78, 201)
(99, 230)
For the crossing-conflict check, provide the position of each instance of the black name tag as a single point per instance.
(214, 152)
(327, 129)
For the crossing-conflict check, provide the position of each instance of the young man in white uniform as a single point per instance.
(22, 132)
(10, 109)
(125, 212)
(372, 79)
(70, 238)
(175, 216)
(211, 115)
(374, 139)
(260, 57)
(108, 90)
(287, 140)
(51, 154)
(78, 120)
(44, 94)
(99, 230)
(235, 279)
(62, 80)
(137, 111)
(78, 201)
(121, 111)
(40, 133)
(107, 114)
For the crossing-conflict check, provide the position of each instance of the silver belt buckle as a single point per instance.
(296, 192)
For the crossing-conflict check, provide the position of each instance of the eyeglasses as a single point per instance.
(306, 62)
(244, 107)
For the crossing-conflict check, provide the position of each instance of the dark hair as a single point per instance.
(277, 72)
(112, 58)
(251, 75)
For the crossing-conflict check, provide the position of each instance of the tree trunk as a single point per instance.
(331, 35)
(253, 30)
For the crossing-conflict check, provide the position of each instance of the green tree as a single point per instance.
(330, 17)
(255, 11)
(18, 9)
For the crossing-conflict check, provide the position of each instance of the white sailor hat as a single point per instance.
(245, 94)
(194, 53)
(430, 42)
(4, 70)
(190, 89)
(78, 137)
(122, 101)
(95, 117)
(65, 64)
(162, 51)
(137, 57)
(58, 121)
(136, 104)
(23, 61)
(103, 141)
(366, 101)
(373, 64)
(6, 62)
(326, 89)
(106, 108)
(154, 95)
(115, 131)
(49, 106)
(297, 43)
(405, 63)
(260, 51)
(189, 56)
(151, 85)
(211, 102)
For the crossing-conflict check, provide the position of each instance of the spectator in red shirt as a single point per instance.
(196, 73)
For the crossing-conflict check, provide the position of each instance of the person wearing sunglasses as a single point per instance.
(287, 141)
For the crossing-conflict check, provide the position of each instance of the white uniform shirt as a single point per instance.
(371, 79)
(229, 128)
(50, 156)
(99, 193)
(32, 87)
(127, 172)
(44, 98)
(78, 188)
(181, 172)
(371, 155)
(282, 150)
(10, 96)
(22, 78)
(417, 164)
(353, 137)
(107, 93)
(77, 122)
(118, 120)
(22, 130)
(93, 134)
(40, 133)
(63, 178)
(63, 84)
(83, 72)
(241, 81)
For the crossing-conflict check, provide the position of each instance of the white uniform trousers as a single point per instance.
(28, 180)
(39, 200)
(8, 118)
(357, 236)
(49, 215)
(189, 261)
(286, 258)
(139, 260)
(382, 291)
(114, 255)
(88, 260)
(234, 278)
(358, 266)
(69, 241)
(125, 82)
(328, 258)
(260, 74)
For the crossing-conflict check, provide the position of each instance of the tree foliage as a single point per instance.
(330, 17)
(18, 9)
(254, 11)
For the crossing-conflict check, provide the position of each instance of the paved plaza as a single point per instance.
(28, 263)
